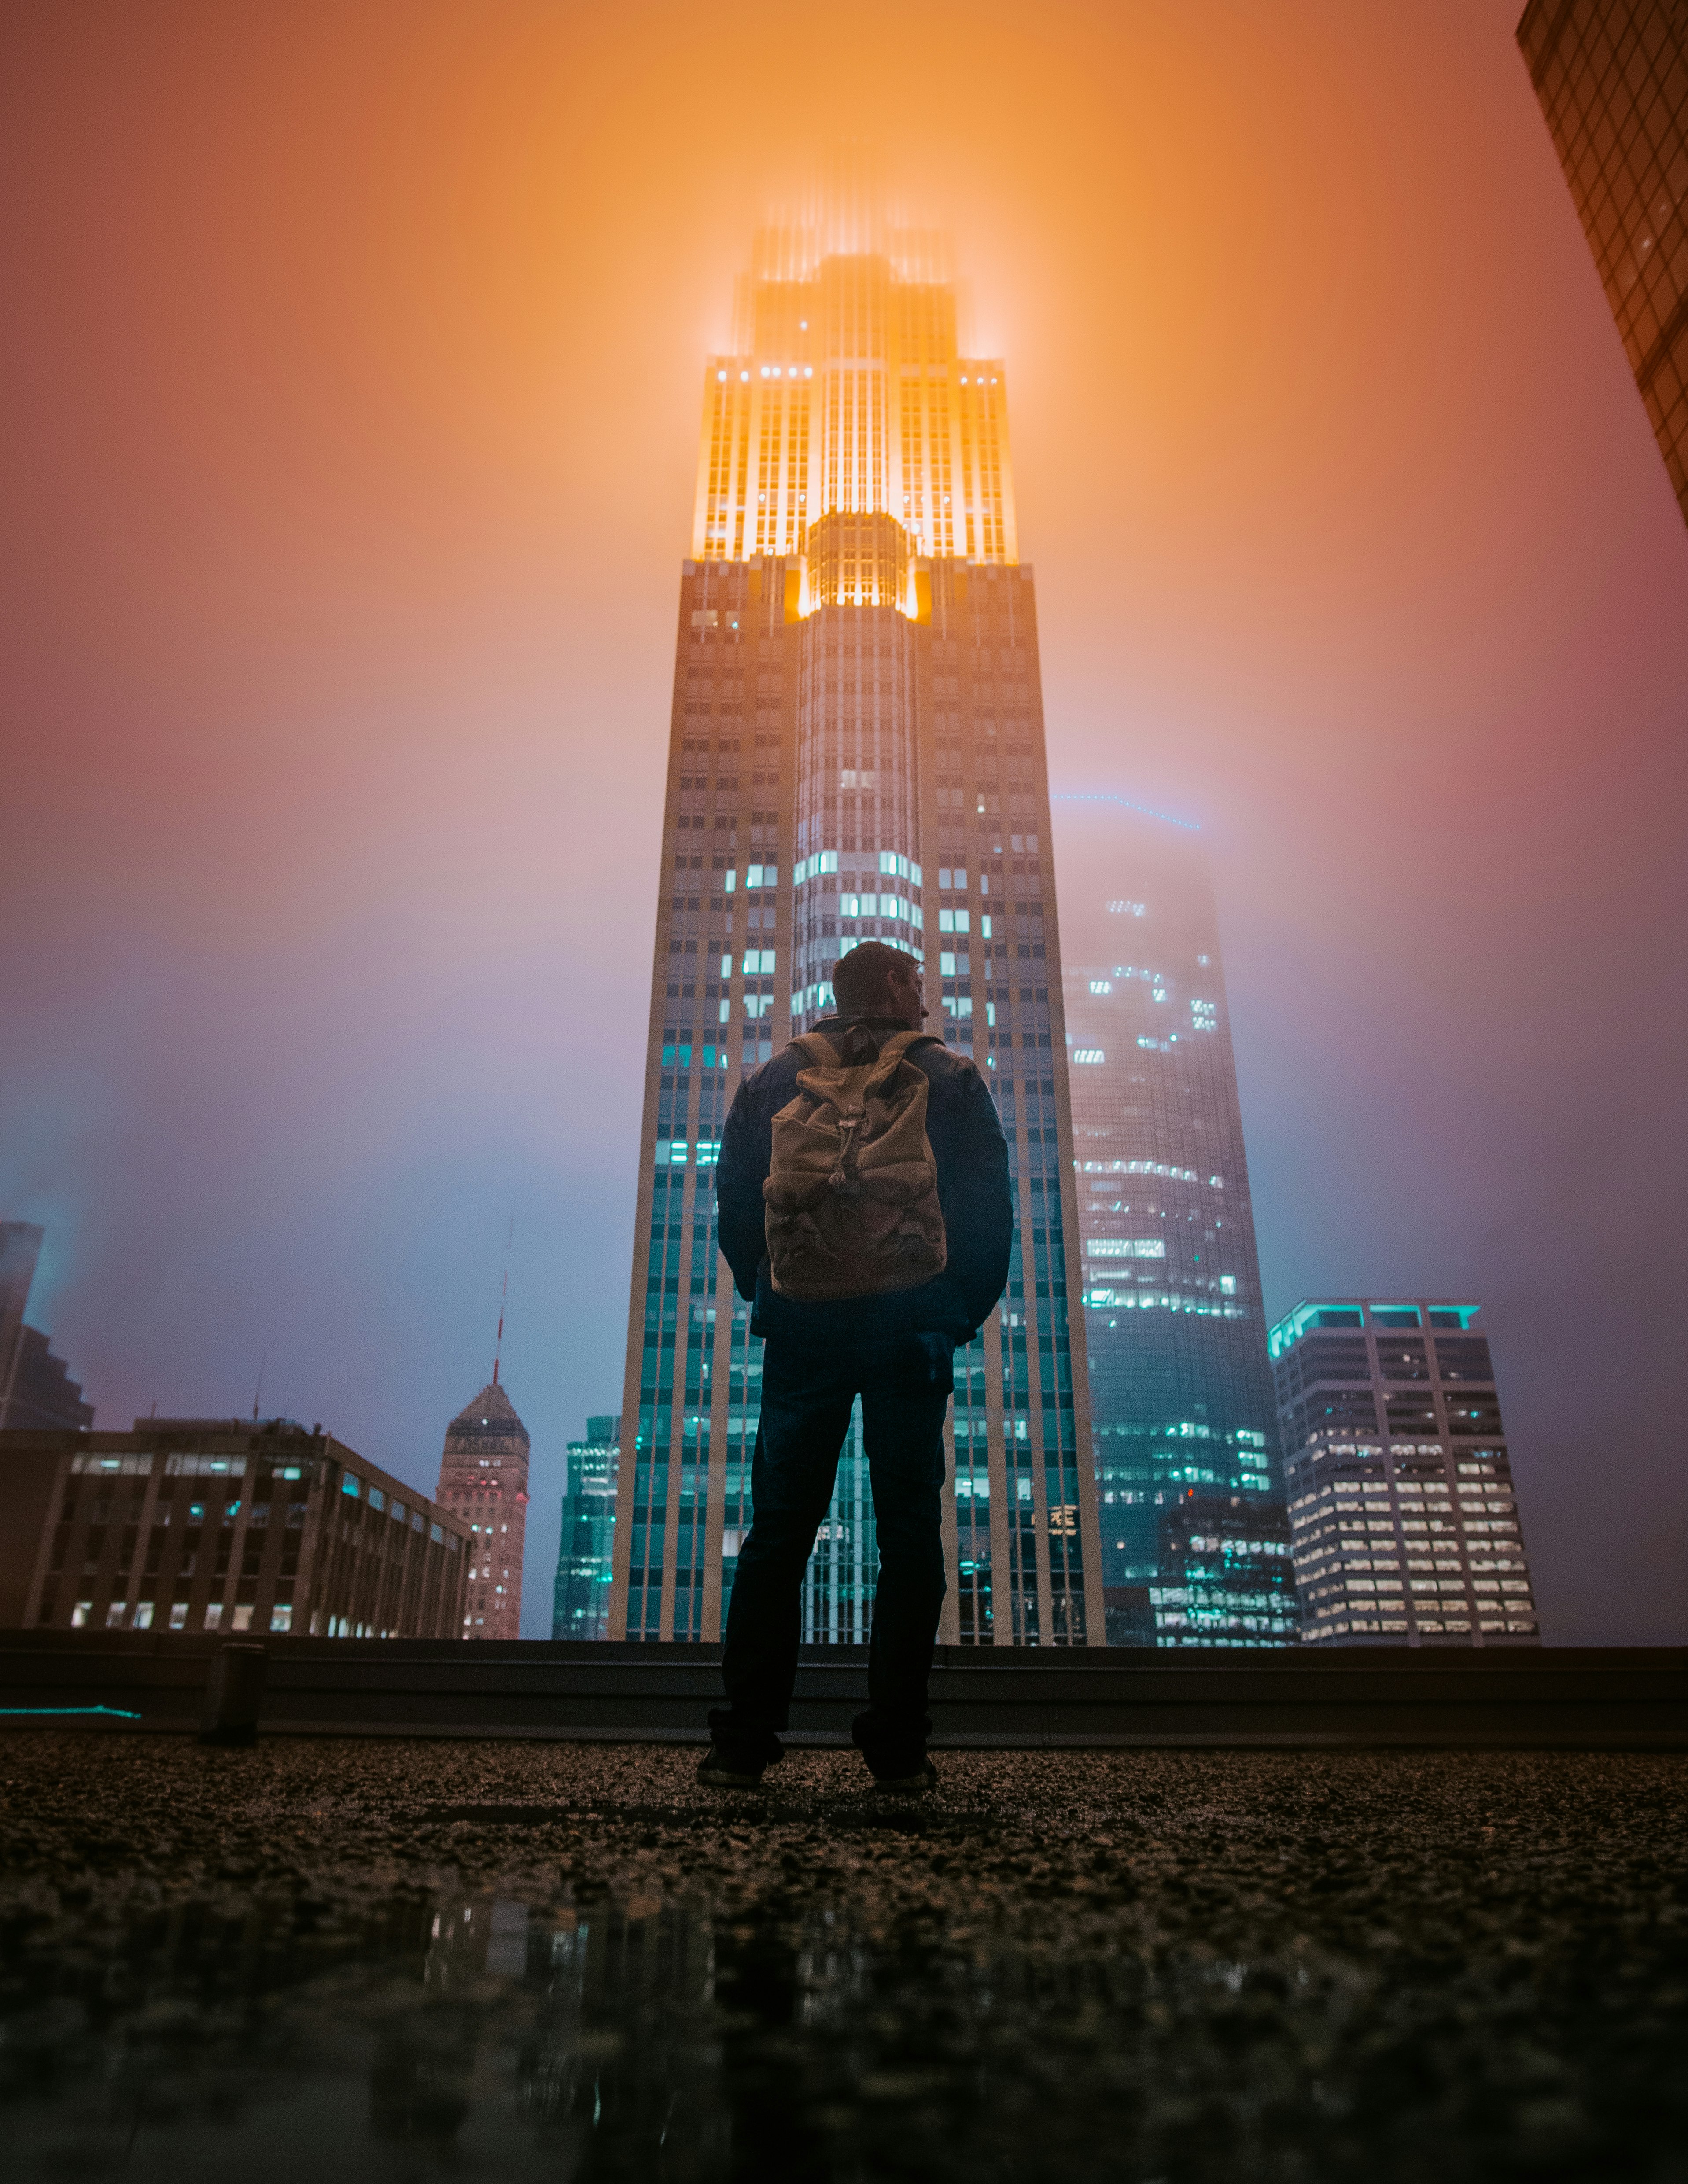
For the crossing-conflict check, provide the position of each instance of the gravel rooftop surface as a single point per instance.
(398, 1959)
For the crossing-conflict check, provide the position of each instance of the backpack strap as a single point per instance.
(893, 1053)
(818, 1052)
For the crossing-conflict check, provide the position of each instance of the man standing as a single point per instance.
(878, 1270)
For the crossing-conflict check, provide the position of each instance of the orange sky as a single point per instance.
(350, 424)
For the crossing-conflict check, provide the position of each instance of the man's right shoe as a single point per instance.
(718, 1770)
(910, 1784)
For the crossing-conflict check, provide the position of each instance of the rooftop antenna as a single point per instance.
(259, 1389)
(498, 1346)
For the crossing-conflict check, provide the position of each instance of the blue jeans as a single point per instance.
(807, 1396)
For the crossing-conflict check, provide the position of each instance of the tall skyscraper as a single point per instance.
(483, 1483)
(36, 1387)
(856, 752)
(1612, 76)
(1195, 1540)
(1400, 1490)
(580, 1604)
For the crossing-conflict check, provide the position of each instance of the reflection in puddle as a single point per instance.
(660, 2040)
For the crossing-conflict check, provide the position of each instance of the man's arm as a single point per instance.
(746, 1152)
(978, 1204)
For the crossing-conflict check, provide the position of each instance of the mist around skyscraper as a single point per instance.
(856, 751)
(1195, 1540)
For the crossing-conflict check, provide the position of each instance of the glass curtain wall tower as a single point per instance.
(580, 1601)
(855, 753)
(1195, 1538)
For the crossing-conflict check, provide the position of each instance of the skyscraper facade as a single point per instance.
(483, 1483)
(856, 752)
(580, 1604)
(1612, 76)
(1405, 1526)
(1195, 1540)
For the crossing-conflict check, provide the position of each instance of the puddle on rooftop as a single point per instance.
(492, 2037)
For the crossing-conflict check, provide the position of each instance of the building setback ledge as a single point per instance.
(1546, 1697)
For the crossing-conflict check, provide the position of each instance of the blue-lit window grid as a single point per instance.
(972, 1476)
(838, 1584)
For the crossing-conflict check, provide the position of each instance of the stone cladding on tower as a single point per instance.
(483, 1481)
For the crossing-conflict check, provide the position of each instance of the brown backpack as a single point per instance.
(851, 1197)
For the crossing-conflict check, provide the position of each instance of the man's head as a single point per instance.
(874, 980)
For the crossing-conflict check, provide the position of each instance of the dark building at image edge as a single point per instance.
(1612, 76)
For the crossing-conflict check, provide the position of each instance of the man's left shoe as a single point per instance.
(717, 1770)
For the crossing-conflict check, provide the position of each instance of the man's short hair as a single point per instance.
(861, 981)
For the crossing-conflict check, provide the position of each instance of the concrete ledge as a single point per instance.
(1546, 1697)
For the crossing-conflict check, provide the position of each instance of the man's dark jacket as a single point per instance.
(967, 1143)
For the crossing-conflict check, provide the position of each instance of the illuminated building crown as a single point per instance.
(848, 396)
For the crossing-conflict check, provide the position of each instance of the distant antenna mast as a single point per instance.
(259, 1389)
(498, 1346)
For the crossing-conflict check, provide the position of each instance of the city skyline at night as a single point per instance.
(352, 442)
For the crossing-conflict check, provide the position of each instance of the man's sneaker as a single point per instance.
(716, 1771)
(912, 1784)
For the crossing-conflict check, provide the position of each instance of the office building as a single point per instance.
(36, 1387)
(484, 1482)
(220, 1525)
(856, 752)
(585, 1543)
(1401, 1508)
(1195, 1539)
(1612, 76)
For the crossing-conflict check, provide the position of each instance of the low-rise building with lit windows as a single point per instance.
(1403, 1522)
(222, 1525)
